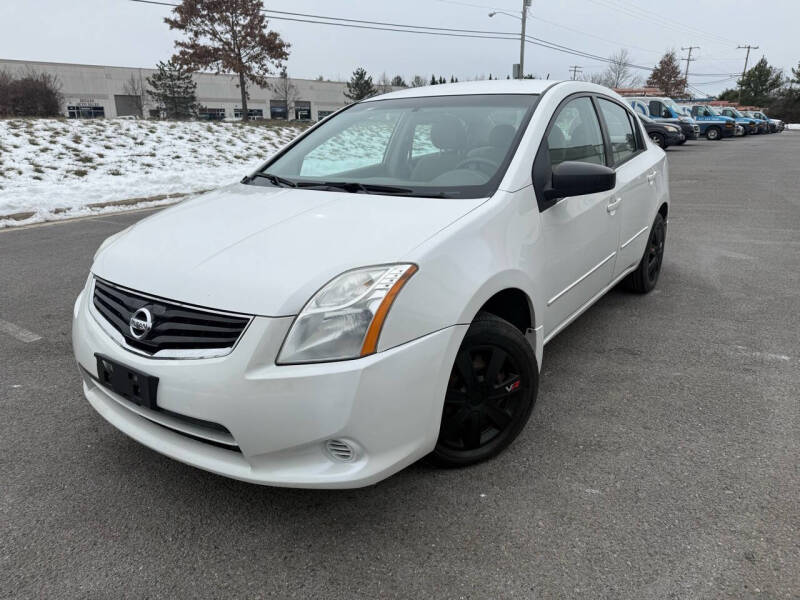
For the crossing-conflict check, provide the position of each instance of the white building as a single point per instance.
(100, 91)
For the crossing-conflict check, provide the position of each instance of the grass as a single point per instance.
(80, 172)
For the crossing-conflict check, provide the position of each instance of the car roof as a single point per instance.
(494, 86)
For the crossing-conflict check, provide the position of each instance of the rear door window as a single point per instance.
(620, 131)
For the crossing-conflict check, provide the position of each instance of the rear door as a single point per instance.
(636, 181)
(580, 233)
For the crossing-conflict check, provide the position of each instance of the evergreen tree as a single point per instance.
(398, 81)
(434, 81)
(228, 36)
(760, 83)
(442, 80)
(360, 86)
(172, 89)
(667, 75)
(490, 76)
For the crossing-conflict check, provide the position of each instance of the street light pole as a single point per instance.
(525, 5)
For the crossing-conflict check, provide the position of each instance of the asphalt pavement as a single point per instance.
(661, 460)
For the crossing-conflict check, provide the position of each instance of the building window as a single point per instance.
(211, 114)
(302, 110)
(85, 112)
(321, 114)
(278, 110)
(252, 113)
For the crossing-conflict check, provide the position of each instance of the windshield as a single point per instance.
(440, 146)
(713, 110)
(673, 105)
(736, 113)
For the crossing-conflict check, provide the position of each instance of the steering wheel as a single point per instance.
(479, 162)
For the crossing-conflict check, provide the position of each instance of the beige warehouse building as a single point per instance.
(92, 91)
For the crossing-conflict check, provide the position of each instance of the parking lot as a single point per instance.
(661, 460)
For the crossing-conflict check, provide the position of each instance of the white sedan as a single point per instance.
(379, 291)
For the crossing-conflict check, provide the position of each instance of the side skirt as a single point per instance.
(594, 299)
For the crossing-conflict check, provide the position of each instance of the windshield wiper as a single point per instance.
(273, 179)
(355, 187)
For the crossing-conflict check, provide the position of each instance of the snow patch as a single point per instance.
(56, 168)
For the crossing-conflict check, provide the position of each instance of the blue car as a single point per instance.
(712, 125)
(749, 124)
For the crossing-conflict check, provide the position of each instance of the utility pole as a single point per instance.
(575, 69)
(689, 59)
(525, 5)
(746, 58)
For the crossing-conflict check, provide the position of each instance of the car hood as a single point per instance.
(264, 250)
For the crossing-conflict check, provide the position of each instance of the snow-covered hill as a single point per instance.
(56, 168)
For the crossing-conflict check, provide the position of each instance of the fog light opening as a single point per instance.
(341, 451)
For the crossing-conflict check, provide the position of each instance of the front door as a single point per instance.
(580, 233)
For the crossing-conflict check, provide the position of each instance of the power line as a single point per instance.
(424, 30)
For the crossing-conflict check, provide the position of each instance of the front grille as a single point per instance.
(176, 328)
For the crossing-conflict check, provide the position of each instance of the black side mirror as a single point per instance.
(573, 178)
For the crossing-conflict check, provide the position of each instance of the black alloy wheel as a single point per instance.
(659, 140)
(490, 393)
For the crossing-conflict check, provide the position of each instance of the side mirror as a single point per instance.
(573, 178)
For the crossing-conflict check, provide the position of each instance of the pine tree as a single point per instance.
(228, 36)
(398, 81)
(172, 89)
(434, 81)
(760, 83)
(490, 76)
(667, 75)
(360, 86)
(442, 79)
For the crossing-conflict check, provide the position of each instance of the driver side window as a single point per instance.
(575, 134)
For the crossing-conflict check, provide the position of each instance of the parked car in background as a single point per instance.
(761, 121)
(773, 126)
(778, 124)
(712, 125)
(749, 124)
(663, 134)
(665, 110)
(380, 290)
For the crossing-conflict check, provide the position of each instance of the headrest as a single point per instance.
(501, 136)
(448, 133)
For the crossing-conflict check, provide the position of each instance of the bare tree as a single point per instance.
(136, 89)
(384, 84)
(284, 90)
(619, 72)
(419, 81)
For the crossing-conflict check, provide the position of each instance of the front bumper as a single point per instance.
(675, 138)
(691, 132)
(273, 422)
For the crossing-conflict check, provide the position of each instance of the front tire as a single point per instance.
(645, 277)
(713, 134)
(659, 140)
(490, 394)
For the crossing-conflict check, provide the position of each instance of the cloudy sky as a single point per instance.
(121, 32)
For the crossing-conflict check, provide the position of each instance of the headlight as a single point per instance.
(672, 128)
(344, 319)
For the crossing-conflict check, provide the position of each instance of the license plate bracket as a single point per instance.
(132, 384)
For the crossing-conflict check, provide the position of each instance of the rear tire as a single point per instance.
(713, 134)
(645, 277)
(490, 394)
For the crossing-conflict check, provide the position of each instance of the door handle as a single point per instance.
(651, 177)
(612, 206)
